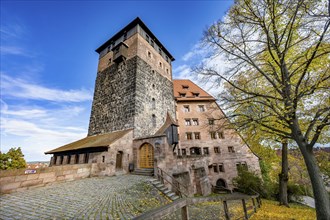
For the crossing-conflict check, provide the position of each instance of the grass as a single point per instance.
(271, 210)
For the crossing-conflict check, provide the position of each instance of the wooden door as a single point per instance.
(119, 159)
(146, 156)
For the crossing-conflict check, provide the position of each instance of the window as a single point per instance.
(160, 64)
(160, 51)
(217, 150)
(149, 54)
(221, 135)
(125, 36)
(201, 108)
(184, 152)
(152, 43)
(186, 108)
(241, 166)
(110, 60)
(103, 159)
(213, 135)
(69, 159)
(211, 121)
(76, 159)
(185, 87)
(206, 151)
(153, 102)
(147, 38)
(195, 122)
(188, 135)
(215, 168)
(195, 94)
(221, 167)
(182, 94)
(167, 71)
(108, 48)
(197, 135)
(195, 151)
(231, 149)
(166, 58)
(61, 159)
(154, 120)
(187, 122)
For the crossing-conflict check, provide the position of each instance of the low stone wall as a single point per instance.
(17, 180)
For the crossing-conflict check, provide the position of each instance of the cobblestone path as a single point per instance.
(119, 197)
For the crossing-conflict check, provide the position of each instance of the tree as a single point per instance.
(13, 159)
(279, 74)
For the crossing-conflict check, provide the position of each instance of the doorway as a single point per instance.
(146, 156)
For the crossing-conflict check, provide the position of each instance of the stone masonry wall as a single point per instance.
(16, 180)
(114, 98)
(154, 96)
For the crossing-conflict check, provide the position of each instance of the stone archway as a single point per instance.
(221, 183)
(146, 156)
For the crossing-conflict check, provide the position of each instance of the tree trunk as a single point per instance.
(283, 176)
(321, 196)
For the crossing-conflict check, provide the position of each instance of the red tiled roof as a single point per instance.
(186, 90)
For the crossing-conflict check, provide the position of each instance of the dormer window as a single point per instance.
(185, 87)
(195, 94)
(182, 94)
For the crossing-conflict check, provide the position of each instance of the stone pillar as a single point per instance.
(51, 161)
(81, 158)
(58, 160)
(65, 160)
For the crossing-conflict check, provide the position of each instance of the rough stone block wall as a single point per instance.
(16, 180)
(151, 85)
(114, 99)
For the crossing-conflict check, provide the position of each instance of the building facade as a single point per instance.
(143, 119)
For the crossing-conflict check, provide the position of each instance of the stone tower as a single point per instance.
(133, 87)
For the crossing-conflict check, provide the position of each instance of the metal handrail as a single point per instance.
(161, 177)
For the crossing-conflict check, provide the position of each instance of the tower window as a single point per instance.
(221, 135)
(211, 121)
(147, 38)
(186, 108)
(166, 58)
(167, 71)
(221, 167)
(160, 64)
(206, 151)
(231, 149)
(195, 151)
(184, 152)
(152, 43)
(197, 135)
(217, 150)
(213, 135)
(149, 54)
(188, 136)
(195, 121)
(160, 51)
(154, 120)
(187, 122)
(201, 108)
(125, 36)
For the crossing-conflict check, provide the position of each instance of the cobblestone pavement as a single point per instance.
(119, 197)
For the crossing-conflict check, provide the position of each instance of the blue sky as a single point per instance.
(48, 60)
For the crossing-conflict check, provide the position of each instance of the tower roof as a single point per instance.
(136, 21)
(186, 90)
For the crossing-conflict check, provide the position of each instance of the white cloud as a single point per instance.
(20, 88)
(12, 50)
(195, 52)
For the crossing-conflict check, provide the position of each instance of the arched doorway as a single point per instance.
(146, 156)
(221, 183)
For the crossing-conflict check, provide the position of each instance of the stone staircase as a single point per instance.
(161, 187)
(144, 172)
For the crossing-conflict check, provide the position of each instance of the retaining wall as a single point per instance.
(17, 180)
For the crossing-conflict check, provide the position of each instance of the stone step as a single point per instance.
(143, 172)
(175, 197)
(170, 194)
(166, 191)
